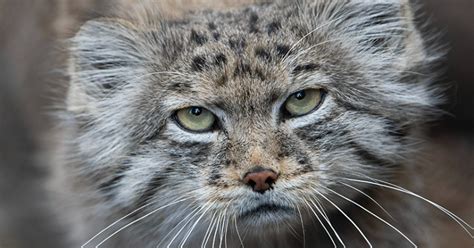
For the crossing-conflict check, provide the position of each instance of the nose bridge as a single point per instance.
(256, 146)
(260, 154)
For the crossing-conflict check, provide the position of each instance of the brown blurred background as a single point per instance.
(30, 65)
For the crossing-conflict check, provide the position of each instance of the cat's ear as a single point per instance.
(377, 27)
(104, 57)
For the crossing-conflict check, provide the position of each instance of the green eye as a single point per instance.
(196, 119)
(303, 102)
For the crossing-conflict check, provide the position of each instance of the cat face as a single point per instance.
(248, 115)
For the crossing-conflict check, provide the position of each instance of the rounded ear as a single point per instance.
(371, 26)
(104, 56)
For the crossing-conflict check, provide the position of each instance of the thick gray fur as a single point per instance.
(122, 150)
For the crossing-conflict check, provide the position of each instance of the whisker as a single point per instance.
(324, 226)
(345, 215)
(194, 226)
(226, 228)
(238, 233)
(216, 230)
(302, 226)
(212, 223)
(221, 235)
(368, 196)
(371, 213)
(200, 210)
(141, 218)
(116, 222)
(326, 218)
(454, 217)
(178, 225)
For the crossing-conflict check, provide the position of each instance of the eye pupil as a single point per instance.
(300, 95)
(196, 111)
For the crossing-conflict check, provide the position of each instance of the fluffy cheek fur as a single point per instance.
(366, 55)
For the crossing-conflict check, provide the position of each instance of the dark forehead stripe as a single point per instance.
(198, 63)
(198, 38)
(306, 68)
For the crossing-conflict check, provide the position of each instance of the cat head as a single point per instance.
(250, 113)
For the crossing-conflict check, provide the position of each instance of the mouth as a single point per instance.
(266, 211)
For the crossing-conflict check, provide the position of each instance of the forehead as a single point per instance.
(237, 56)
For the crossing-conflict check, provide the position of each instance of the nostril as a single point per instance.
(270, 181)
(260, 179)
(251, 183)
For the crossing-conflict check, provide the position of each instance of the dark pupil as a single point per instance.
(300, 95)
(196, 111)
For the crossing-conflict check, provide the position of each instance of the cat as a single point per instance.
(268, 124)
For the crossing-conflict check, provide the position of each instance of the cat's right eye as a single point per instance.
(195, 119)
(303, 102)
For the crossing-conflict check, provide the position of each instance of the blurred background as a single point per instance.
(31, 61)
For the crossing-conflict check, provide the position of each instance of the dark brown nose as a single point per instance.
(260, 179)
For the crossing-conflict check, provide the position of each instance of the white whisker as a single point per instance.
(371, 213)
(345, 215)
(238, 233)
(196, 213)
(324, 226)
(139, 219)
(194, 226)
(216, 230)
(195, 209)
(209, 230)
(302, 226)
(116, 222)
(368, 196)
(454, 217)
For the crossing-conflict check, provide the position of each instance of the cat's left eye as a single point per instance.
(196, 119)
(303, 102)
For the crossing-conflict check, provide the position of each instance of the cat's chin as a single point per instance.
(266, 214)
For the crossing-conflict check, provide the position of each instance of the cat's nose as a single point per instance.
(260, 179)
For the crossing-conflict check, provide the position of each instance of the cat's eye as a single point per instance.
(196, 119)
(303, 102)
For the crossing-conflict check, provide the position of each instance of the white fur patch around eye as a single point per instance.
(174, 132)
(323, 111)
